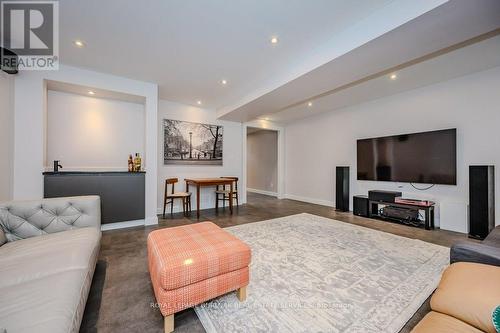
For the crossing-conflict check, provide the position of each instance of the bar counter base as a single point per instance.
(122, 193)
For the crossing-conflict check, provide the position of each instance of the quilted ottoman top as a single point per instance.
(184, 255)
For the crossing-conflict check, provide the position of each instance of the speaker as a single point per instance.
(481, 200)
(384, 196)
(342, 189)
(9, 61)
(360, 203)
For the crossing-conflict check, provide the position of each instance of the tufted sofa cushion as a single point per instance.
(25, 219)
(45, 280)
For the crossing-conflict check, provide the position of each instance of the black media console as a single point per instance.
(374, 212)
(386, 205)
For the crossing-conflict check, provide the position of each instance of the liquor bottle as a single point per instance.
(130, 163)
(137, 162)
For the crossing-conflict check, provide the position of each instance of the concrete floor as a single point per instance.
(121, 295)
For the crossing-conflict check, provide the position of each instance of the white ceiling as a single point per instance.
(471, 59)
(188, 47)
(97, 93)
(446, 26)
(252, 130)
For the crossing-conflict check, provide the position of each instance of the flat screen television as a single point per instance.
(427, 157)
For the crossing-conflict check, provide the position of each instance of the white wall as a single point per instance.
(88, 133)
(262, 161)
(30, 126)
(470, 103)
(232, 153)
(6, 135)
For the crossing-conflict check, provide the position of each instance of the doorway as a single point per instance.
(253, 126)
(262, 161)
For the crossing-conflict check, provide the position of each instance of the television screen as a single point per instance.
(427, 157)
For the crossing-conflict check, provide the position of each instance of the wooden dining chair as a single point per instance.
(222, 193)
(169, 197)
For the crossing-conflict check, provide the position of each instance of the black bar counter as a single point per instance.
(122, 193)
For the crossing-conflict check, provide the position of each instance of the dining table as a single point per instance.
(209, 182)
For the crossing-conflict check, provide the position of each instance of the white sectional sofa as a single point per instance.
(48, 253)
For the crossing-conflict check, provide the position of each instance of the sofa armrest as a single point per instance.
(478, 253)
(24, 219)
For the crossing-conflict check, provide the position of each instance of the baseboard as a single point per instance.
(310, 200)
(121, 225)
(159, 211)
(153, 220)
(254, 190)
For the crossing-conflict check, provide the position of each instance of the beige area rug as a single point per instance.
(313, 274)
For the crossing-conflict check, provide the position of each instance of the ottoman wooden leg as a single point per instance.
(169, 323)
(242, 293)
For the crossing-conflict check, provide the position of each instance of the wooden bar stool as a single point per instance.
(222, 193)
(170, 197)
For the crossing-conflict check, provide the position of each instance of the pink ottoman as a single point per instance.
(193, 264)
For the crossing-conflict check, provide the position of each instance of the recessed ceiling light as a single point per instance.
(198, 102)
(310, 104)
(274, 40)
(79, 43)
(224, 82)
(90, 92)
(393, 76)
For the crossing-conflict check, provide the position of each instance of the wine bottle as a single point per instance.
(130, 163)
(137, 162)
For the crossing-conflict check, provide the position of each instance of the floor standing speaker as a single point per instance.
(342, 189)
(481, 200)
